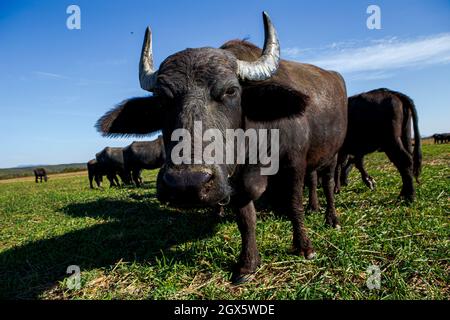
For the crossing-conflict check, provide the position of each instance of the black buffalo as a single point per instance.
(143, 155)
(96, 172)
(240, 86)
(39, 174)
(380, 120)
(110, 160)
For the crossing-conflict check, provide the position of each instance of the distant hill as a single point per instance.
(28, 171)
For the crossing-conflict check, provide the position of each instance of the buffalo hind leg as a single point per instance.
(112, 178)
(342, 159)
(347, 168)
(403, 161)
(366, 178)
(327, 174)
(136, 176)
(313, 204)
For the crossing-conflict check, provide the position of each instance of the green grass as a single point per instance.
(129, 247)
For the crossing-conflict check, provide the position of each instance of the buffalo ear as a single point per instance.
(266, 101)
(137, 116)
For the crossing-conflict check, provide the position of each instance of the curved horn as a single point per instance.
(267, 64)
(147, 74)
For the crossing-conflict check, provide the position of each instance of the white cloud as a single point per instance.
(75, 81)
(50, 75)
(377, 57)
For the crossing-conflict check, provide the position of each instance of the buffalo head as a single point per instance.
(213, 87)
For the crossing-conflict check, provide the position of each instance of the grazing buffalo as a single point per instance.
(111, 162)
(96, 173)
(380, 120)
(40, 173)
(143, 155)
(236, 88)
(93, 173)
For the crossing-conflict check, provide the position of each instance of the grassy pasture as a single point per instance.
(129, 247)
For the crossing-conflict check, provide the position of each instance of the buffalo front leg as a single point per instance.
(301, 243)
(404, 163)
(249, 258)
(90, 182)
(98, 180)
(116, 180)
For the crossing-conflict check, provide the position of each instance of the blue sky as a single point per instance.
(55, 83)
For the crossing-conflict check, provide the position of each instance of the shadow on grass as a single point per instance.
(134, 231)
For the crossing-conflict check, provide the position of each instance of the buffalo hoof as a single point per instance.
(243, 272)
(333, 221)
(337, 190)
(408, 199)
(308, 253)
(313, 208)
(237, 279)
(371, 183)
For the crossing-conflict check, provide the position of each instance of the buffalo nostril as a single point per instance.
(202, 177)
(187, 179)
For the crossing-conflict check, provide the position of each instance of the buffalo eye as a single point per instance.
(231, 92)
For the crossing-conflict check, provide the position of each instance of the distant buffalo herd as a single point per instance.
(441, 138)
(127, 163)
(322, 134)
